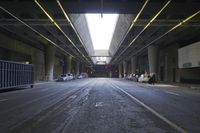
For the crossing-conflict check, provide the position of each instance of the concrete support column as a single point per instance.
(128, 68)
(110, 74)
(178, 72)
(166, 68)
(152, 57)
(38, 59)
(82, 68)
(50, 60)
(77, 68)
(120, 70)
(69, 63)
(133, 64)
(125, 68)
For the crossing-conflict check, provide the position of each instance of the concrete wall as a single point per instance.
(80, 23)
(14, 50)
(189, 56)
(190, 75)
(189, 63)
(58, 68)
(142, 64)
(122, 25)
(168, 64)
(7, 54)
(128, 68)
(38, 59)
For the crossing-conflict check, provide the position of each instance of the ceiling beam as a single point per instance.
(33, 22)
(94, 6)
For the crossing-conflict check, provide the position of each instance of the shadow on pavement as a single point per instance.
(13, 89)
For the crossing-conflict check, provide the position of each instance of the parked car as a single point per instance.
(129, 76)
(143, 79)
(132, 77)
(66, 77)
(152, 78)
(82, 75)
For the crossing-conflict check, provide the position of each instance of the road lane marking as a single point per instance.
(2, 100)
(178, 128)
(43, 83)
(172, 93)
(73, 96)
(99, 104)
(46, 89)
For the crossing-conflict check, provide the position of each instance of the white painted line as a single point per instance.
(2, 100)
(73, 96)
(46, 89)
(172, 93)
(99, 104)
(41, 83)
(178, 128)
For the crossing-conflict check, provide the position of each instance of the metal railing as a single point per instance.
(13, 74)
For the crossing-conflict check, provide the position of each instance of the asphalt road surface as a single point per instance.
(98, 105)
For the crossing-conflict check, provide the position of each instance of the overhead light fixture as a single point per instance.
(61, 7)
(134, 21)
(170, 30)
(157, 14)
(148, 24)
(54, 22)
(44, 11)
(71, 24)
(132, 24)
(34, 30)
(137, 16)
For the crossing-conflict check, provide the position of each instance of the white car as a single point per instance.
(82, 75)
(66, 77)
(143, 79)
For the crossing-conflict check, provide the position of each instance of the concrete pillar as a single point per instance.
(120, 70)
(152, 57)
(128, 68)
(178, 72)
(125, 68)
(133, 64)
(77, 68)
(50, 60)
(82, 68)
(69, 63)
(38, 59)
(110, 74)
(166, 68)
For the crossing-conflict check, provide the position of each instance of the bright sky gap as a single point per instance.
(101, 29)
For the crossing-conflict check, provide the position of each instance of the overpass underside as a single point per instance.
(43, 43)
(149, 37)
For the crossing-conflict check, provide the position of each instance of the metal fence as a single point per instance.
(14, 74)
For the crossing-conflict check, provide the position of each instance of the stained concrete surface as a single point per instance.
(94, 106)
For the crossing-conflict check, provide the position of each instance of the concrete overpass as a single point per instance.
(146, 38)
(150, 36)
